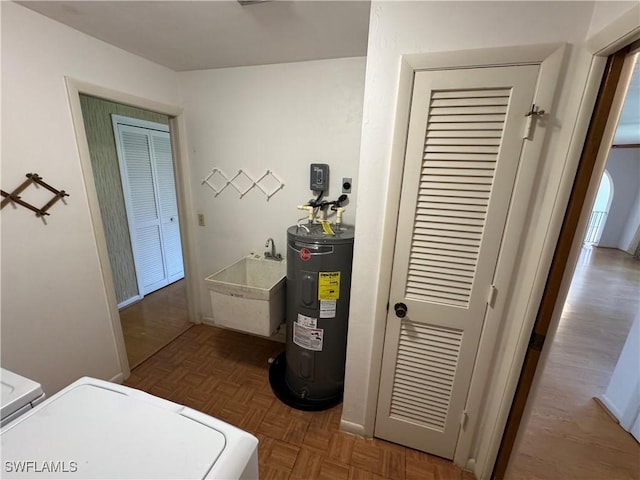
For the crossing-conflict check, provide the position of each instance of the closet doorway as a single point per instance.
(149, 188)
(133, 174)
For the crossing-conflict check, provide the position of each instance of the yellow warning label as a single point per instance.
(328, 285)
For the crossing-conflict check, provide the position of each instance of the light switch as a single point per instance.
(201, 219)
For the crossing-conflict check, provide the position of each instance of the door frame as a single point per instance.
(183, 195)
(611, 46)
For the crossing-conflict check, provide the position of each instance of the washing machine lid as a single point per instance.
(16, 392)
(94, 429)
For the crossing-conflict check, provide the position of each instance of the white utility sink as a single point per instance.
(249, 295)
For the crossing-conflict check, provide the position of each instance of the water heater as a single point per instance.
(310, 376)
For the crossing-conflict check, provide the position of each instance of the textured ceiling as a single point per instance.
(195, 35)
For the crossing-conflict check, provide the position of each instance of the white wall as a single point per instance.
(399, 28)
(55, 319)
(278, 117)
(622, 396)
(624, 167)
(606, 11)
(601, 202)
(628, 240)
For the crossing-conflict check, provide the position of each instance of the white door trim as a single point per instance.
(137, 122)
(183, 192)
(618, 34)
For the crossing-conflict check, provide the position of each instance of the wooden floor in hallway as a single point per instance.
(154, 322)
(569, 435)
(225, 374)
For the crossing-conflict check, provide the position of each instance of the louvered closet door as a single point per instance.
(142, 207)
(463, 149)
(166, 188)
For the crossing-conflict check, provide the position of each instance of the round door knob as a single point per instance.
(401, 310)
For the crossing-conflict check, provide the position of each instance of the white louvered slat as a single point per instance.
(456, 172)
(424, 374)
(461, 156)
(435, 252)
(457, 224)
(426, 237)
(483, 135)
(458, 165)
(468, 125)
(488, 101)
(433, 140)
(463, 107)
(480, 196)
(455, 179)
(448, 211)
(457, 234)
(444, 248)
(462, 144)
(430, 147)
(472, 94)
(457, 269)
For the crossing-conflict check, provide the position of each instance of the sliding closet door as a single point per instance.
(168, 205)
(146, 169)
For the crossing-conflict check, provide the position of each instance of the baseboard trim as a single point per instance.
(608, 407)
(130, 301)
(119, 378)
(353, 428)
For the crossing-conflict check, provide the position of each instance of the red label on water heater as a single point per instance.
(305, 254)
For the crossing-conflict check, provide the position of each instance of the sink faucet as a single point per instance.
(272, 254)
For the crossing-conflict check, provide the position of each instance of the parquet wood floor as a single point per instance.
(155, 321)
(569, 435)
(225, 374)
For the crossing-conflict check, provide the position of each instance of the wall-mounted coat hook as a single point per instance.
(14, 197)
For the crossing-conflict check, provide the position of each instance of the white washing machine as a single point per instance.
(97, 429)
(17, 396)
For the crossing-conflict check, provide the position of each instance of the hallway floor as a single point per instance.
(569, 435)
(154, 322)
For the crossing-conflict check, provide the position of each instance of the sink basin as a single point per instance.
(249, 295)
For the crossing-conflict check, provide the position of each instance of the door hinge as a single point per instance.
(529, 123)
(536, 341)
(491, 298)
(463, 420)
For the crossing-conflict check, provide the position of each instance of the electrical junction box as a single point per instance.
(319, 177)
